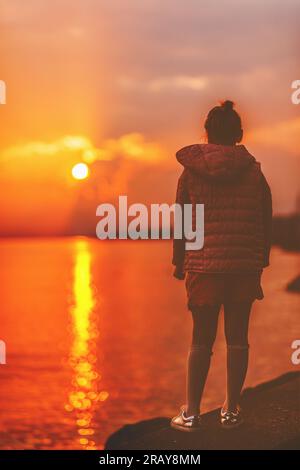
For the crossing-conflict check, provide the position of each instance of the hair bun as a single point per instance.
(227, 105)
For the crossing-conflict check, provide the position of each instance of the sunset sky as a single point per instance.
(121, 85)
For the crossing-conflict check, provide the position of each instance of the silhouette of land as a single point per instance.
(286, 232)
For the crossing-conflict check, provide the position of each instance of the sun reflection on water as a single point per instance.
(84, 394)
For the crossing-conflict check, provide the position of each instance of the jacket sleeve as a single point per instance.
(267, 219)
(182, 197)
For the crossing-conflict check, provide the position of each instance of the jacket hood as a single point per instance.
(220, 162)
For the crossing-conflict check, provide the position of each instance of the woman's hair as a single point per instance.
(223, 125)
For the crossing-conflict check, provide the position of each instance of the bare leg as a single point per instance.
(236, 332)
(205, 323)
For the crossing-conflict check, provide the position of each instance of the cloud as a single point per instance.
(152, 66)
(40, 196)
(128, 146)
(283, 136)
(163, 84)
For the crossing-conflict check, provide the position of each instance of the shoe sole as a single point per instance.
(231, 426)
(183, 429)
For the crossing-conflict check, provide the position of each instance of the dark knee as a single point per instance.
(205, 326)
(237, 340)
(202, 340)
(237, 347)
(237, 324)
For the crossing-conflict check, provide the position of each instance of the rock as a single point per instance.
(294, 286)
(272, 421)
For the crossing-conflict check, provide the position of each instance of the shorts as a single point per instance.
(218, 288)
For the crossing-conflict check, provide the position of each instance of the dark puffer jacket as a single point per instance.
(237, 209)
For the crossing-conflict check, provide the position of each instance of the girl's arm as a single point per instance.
(182, 197)
(267, 219)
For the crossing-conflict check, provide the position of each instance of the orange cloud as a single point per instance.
(283, 136)
(39, 193)
(166, 84)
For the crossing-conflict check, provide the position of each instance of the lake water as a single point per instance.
(97, 336)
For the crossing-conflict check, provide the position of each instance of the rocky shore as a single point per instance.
(272, 421)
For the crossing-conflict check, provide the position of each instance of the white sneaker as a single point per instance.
(231, 419)
(186, 423)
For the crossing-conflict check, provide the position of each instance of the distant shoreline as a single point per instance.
(286, 233)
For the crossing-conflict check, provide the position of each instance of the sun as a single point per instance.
(80, 171)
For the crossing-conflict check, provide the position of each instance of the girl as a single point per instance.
(227, 270)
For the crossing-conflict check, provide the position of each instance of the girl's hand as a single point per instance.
(179, 274)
